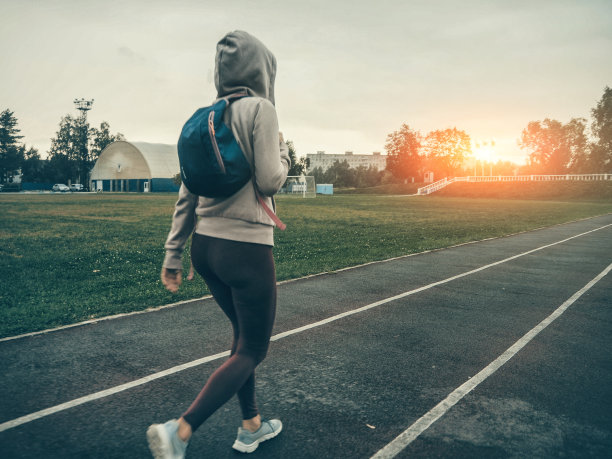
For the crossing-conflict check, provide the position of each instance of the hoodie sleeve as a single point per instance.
(183, 222)
(271, 158)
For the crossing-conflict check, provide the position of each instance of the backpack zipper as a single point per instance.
(213, 140)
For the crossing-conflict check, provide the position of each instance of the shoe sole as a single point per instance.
(244, 448)
(159, 443)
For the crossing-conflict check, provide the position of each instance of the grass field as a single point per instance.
(73, 257)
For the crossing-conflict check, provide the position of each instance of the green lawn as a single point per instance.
(68, 258)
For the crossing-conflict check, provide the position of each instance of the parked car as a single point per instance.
(76, 187)
(11, 187)
(60, 187)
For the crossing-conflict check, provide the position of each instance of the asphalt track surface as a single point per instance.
(408, 365)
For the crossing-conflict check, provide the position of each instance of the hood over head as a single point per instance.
(244, 63)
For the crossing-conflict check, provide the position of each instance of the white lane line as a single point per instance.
(287, 281)
(102, 319)
(105, 393)
(114, 390)
(409, 435)
(426, 287)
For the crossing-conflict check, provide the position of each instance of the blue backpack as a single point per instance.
(212, 162)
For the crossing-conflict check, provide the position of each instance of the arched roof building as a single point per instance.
(135, 166)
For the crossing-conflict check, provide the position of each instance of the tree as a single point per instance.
(505, 168)
(11, 153)
(403, 153)
(318, 174)
(601, 126)
(65, 149)
(578, 144)
(555, 147)
(76, 147)
(545, 140)
(446, 151)
(298, 166)
(366, 177)
(101, 138)
(32, 166)
(340, 174)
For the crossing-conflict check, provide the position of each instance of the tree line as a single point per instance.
(576, 146)
(73, 152)
(342, 175)
(552, 147)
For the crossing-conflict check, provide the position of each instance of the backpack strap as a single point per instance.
(235, 96)
(277, 221)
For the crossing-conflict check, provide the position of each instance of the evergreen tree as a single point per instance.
(11, 152)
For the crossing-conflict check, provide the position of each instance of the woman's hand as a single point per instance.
(171, 278)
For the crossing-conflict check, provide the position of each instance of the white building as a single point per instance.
(136, 166)
(324, 160)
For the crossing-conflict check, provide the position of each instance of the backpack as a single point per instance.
(212, 163)
(211, 160)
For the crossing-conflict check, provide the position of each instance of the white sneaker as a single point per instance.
(164, 441)
(247, 441)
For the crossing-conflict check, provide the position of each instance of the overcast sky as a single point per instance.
(349, 71)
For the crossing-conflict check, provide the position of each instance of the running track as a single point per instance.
(500, 348)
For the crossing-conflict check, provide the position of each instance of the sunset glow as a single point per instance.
(434, 65)
(485, 151)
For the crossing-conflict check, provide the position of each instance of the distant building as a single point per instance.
(325, 161)
(135, 166)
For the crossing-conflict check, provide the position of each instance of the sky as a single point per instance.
(350, 72)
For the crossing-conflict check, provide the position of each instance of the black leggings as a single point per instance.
(242, 279)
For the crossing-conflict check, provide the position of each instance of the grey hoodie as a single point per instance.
(242, 63)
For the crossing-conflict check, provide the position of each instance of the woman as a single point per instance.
(232, 248)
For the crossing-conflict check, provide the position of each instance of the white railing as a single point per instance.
(510, 178)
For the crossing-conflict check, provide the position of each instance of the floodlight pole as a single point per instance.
(84, 106)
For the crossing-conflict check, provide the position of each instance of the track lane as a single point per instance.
(392, 276)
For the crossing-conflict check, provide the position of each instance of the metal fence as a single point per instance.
(511, 178)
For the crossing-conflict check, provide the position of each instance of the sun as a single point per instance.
(484, 151)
